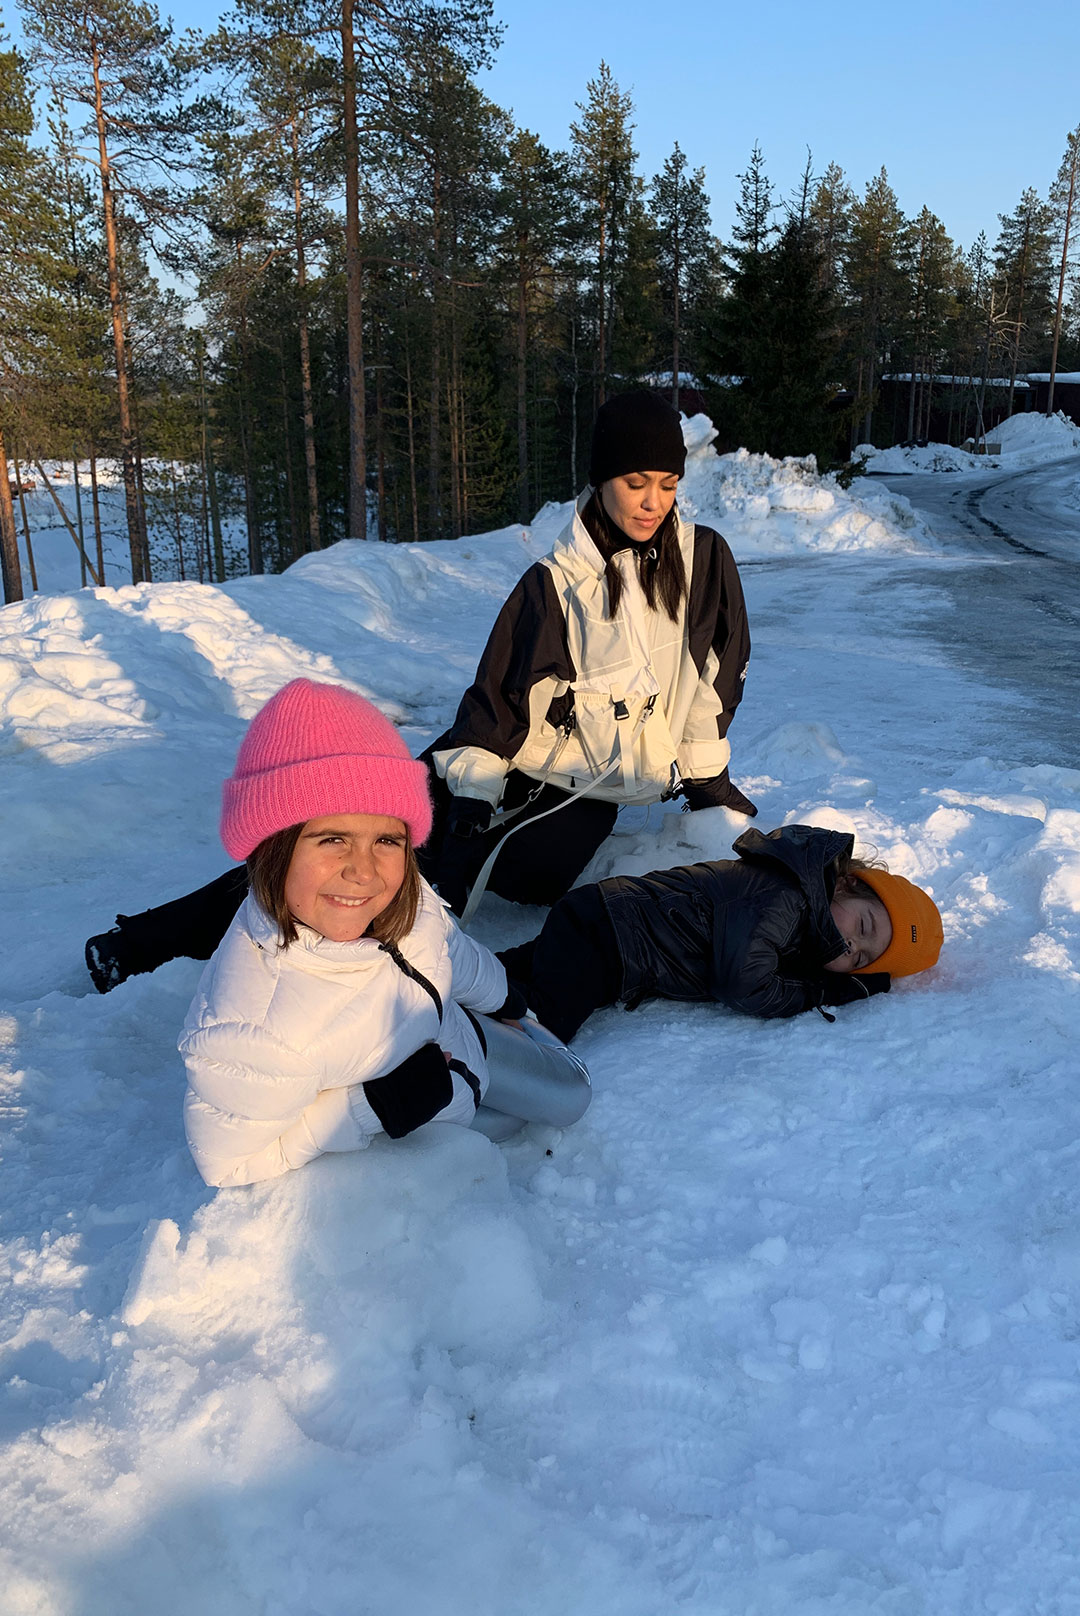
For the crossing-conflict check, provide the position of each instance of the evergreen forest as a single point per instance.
(299, 280)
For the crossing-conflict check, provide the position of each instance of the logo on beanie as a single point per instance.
(914, 934)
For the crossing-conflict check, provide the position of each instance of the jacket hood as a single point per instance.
(808, 853)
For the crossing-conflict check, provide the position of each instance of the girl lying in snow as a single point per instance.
(344, 1000)
(794, 923)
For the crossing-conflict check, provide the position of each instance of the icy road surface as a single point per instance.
(1012, 611)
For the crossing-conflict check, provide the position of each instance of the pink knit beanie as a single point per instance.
(315, 750)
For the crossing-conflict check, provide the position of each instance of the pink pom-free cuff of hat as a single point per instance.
(318, 749)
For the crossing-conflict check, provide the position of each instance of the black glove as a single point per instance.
(468, 816)
(841, 987)
(462, 850)
(717, 793)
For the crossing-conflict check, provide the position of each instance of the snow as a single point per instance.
(788, 1324)
(1027, 439)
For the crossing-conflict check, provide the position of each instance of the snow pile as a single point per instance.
(783, 507)
(1037, 436)
(787, 1323)
(763, 507)
(1027, 439)
(934, 457)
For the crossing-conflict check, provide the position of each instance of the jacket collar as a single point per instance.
(808, 853)
(577, 555)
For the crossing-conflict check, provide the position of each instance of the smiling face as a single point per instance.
(639, 502)
(864, 924)
(345, 870)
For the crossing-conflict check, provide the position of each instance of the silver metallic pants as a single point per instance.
(532, 1077)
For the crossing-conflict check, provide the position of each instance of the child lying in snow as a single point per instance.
(794, 923)
(344, 1000)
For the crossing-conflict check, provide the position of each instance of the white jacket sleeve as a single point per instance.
(478, 980)
(254, 1109)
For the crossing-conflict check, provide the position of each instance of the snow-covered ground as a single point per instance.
(788, 1325)
(1027, 439)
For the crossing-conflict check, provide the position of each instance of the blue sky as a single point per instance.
(964, 104)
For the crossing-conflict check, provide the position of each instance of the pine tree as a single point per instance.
(733, 337)
(20, 170)
(684, 247)
(531, 234)
(1065, 200)
(116, 59)
(877, 283)
(932, 274)
(1023, 258)
(603, 159)
(830, 217)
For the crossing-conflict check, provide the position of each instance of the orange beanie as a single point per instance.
(917, 933)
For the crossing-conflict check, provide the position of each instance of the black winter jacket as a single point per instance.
(753, 932)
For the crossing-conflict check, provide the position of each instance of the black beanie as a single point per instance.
(636, 432)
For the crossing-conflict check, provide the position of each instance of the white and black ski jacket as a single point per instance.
(317, 1047)
(565, 693)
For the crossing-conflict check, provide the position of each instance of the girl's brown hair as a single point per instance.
(660, 562)
(847, 877)
(268, 868)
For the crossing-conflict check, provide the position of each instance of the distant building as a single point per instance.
(1066, 391)
(954, 405)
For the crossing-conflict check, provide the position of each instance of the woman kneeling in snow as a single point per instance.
(344, 1001)
(794, 923)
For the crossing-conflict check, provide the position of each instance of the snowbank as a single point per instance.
(783, 507)
(764, 507)
(1027, 439)
(788, 1323)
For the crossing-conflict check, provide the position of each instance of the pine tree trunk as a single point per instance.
(412, 438)
(95, 506)
(600, 392)
(251, 512)
(380, 457)
(218, 571)
(177, 524)
(27, 538)
(1061, 282)
(295, 544)
(573, 405)
(677, 267)
(10, 567)
(453, 393)
(434, 512)
(139, 573)
(78, 518)
(307, 399)
(522, 394)
(140, 484)
(354, 292)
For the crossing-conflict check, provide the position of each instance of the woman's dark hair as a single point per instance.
(268, 868)
(660, 562)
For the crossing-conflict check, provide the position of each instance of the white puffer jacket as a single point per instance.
(278, 1042)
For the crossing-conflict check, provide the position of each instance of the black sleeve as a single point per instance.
(414, 1092)
(716, 613)
(527, 643)
(749, 973)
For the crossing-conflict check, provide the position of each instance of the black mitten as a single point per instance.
(841, 987)
(718, 792)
